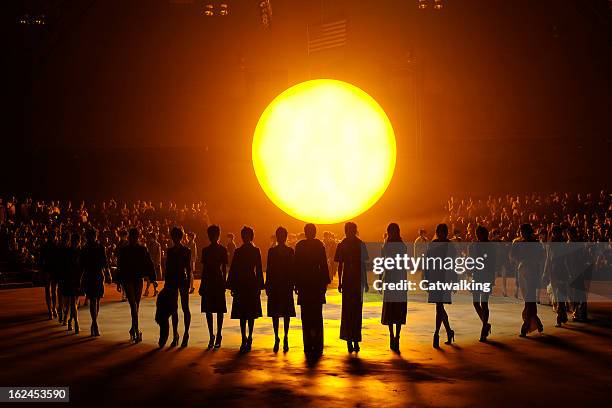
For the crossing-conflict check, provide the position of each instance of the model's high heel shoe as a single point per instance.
(138, 338)
(218, 341)
(450, 337)
(175, 340)
(276, 345)
(69, 325)
(484, 333)
(249, 343)
(76, 327)
(92, 332)
(349, 346)
(396, 342)
(436, 341)
(285, 344)
(211, 342)
(185, 341)
(356, 347)
(243, 345)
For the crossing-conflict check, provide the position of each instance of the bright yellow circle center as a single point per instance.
(324, 151)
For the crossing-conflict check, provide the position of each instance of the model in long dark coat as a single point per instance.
(212, 286)
(280, 286)
(311, 280)
(93, 263)
(351, 255)
(245, 280)
(441, 248)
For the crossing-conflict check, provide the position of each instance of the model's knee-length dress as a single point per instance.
(93, 262)
(212, 287)
(245, 280)
(279, 282)
(395, 302)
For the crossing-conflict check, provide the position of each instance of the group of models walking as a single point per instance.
(303, 271)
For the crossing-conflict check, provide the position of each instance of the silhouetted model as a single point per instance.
(71, 281)
(556, 272)
(395, 302)
(311, 280)
(48, 266)
(527, 252)
(212, 285)
(133, 264)
(93, 265)
(62, 265)
(154, 248)
(440, 248)
(351, 255)
(246, 282)
(580, 270)
(280, 286)
(178, 278)
(485, 275)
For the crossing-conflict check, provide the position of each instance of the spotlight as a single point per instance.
(265, 8)
(26, 19)
(422, 4)
(209, 10)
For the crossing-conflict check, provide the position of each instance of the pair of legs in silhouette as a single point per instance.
(275, 323)
(247, 342)
(94, 309)
(164, 326)
(71, 314)
(442, 319)
(51, 299)
(215, 341)
(481, 305)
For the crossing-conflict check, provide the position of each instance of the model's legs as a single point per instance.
(209, 323)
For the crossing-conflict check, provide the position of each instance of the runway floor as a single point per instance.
(562, 367)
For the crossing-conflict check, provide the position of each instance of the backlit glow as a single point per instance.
(324, 151)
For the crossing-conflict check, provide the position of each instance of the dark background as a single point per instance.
(152, 100)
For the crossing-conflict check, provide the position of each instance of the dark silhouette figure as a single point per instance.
(133, 265)
(311, 280)
(49, 268)
(395, 303)
(556, 272)
(527, 253)
(280, 286)
(440, 248)
(178, 278)
(71, 281)
(245, 280)
(62, 264)
(351, 255)
(486, 275)
(93, 265)
(580, 270)
(212, 285)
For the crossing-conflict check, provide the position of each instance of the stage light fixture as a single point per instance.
(265, 8)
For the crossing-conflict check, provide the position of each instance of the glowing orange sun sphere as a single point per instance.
(324, 151)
